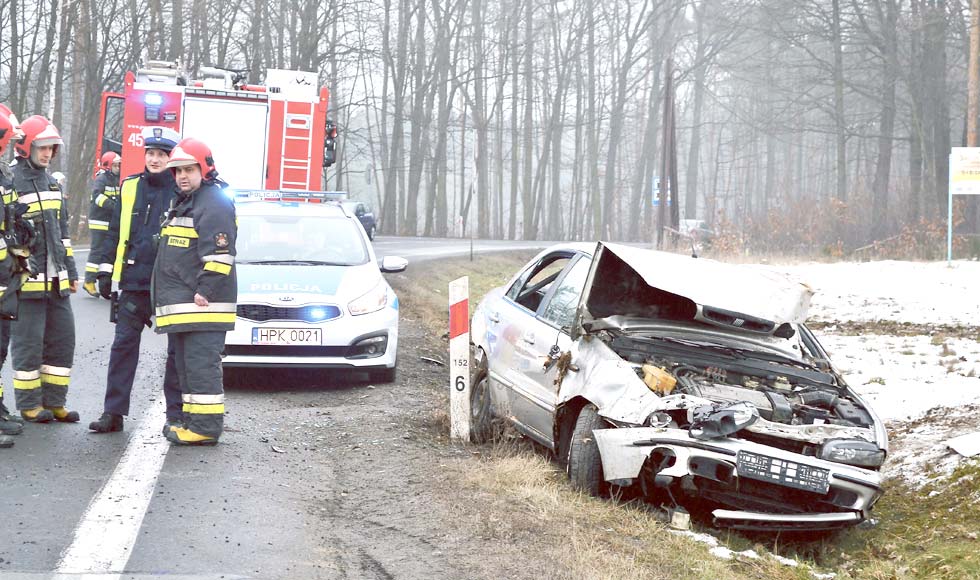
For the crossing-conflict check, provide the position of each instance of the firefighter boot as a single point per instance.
(107, 423)
(182, 436)
(5, 415)
(172, 423)
(8, 426)
(37, 415)
(90, 288)
(63, 415)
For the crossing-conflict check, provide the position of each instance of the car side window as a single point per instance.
(532, 286)
(560, 309)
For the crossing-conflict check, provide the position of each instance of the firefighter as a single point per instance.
(195, 289)
(126, 255)
(9, 271)
(105, 196)
(43, 335)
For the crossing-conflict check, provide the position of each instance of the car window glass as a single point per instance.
(560, 310)
(531, 288)
(320, 238)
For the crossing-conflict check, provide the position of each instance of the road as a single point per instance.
(74, 504)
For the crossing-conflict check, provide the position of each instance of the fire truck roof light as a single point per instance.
(153, 99)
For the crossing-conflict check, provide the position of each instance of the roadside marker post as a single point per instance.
(459, 359)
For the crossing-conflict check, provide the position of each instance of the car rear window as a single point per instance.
(336, 240)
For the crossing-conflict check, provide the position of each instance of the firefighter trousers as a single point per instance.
(134, 316)
(42, 348)
(92, 266)
(4, 345)
(198, 358)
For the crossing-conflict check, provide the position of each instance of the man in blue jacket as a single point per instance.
(127, 255)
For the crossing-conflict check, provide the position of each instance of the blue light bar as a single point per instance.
(153, 99)
(242, 195)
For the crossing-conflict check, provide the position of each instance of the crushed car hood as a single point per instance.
(629, 281)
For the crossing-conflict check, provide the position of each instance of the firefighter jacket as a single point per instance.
(13, 255)
(197, 256)
(129, 248)
(52, 258)
(105, 195)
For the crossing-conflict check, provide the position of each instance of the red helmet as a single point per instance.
(191, 151)
(107, 159)
(38, 132)
(6, 129)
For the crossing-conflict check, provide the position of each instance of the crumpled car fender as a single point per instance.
(612, 385)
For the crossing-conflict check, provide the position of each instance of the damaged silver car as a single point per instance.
(695, 381)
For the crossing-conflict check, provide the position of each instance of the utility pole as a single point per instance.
(973, 83)
(667, 159)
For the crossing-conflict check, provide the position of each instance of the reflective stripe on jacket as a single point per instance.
(196, 255)
(105, 189)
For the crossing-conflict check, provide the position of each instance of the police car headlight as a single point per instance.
(852, 452)
(373, 301)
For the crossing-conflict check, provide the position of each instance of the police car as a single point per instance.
(310, 289)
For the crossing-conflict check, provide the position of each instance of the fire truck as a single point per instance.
(274, 135)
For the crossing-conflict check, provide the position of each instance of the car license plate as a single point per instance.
(285, 336)
(783, 472)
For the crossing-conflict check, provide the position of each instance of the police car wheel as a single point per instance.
(383, 375)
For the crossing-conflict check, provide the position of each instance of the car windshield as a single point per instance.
(311, 240)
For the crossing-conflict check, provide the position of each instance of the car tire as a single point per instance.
(584, 462)
(371, 233)
(384, 376)
(484, 427)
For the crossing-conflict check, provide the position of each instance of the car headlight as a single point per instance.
(374, 300)
(852, 452)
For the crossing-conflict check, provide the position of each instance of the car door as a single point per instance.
(511, 321)
(544, 337)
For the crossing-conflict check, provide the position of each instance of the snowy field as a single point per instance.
(914, 292)
(925, 383)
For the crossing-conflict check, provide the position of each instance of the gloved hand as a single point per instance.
(105, 285)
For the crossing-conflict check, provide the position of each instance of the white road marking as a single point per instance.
(104, 538)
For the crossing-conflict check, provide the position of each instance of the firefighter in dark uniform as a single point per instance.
(126, 255)
(10, 270)
(43, 335)
(195, 289)
(105, 196)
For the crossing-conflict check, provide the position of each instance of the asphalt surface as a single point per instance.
(239, 510)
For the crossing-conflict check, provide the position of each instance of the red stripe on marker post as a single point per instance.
(459, 318)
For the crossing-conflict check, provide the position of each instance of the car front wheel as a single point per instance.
(584, 462)
(482, 423)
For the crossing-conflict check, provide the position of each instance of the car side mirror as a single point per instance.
(391, 264)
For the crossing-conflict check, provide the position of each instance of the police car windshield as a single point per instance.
(300, 240)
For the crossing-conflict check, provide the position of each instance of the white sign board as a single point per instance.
(964, 171)
(459, 359)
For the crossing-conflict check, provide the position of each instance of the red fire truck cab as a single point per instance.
(270, 136)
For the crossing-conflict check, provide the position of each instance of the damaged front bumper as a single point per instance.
(753, 486)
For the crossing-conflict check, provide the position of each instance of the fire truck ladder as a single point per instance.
(297, 146)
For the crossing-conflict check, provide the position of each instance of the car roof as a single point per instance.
(286, 208)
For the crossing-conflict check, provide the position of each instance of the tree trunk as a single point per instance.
(889, 75)
(839, 120)
(694, 152)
